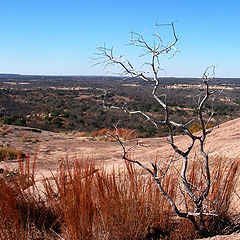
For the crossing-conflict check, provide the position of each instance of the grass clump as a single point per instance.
(8, 153)
(84, 201)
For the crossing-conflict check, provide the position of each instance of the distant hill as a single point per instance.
(4, 75)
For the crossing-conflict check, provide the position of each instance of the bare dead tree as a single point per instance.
(155, 50)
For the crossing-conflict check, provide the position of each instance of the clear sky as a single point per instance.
(61, 36)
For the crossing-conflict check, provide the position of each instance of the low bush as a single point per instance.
(8, 153)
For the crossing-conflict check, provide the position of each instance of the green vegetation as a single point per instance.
(8, 153)
(75, 103)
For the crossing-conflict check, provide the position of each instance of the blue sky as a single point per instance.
(61, 36)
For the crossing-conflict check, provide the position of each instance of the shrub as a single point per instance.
(8, 153)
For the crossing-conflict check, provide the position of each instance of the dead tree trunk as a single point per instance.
(155, 51)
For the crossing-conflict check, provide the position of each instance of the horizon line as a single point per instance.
(86, 75)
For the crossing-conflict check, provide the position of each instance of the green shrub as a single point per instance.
(10, 154)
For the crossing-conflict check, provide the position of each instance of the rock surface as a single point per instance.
(49, 148)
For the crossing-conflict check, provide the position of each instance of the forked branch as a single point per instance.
(156, 50)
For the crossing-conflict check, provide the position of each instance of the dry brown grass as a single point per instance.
(22, 214)
(122, 133)
(86, 202)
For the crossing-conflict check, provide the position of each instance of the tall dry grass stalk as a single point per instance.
(130, 205)
(22, 214)
(224, 175)
(87, 202)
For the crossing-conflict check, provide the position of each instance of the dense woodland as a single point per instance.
(75, 103)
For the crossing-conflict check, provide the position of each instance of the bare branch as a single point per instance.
(154, 50)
